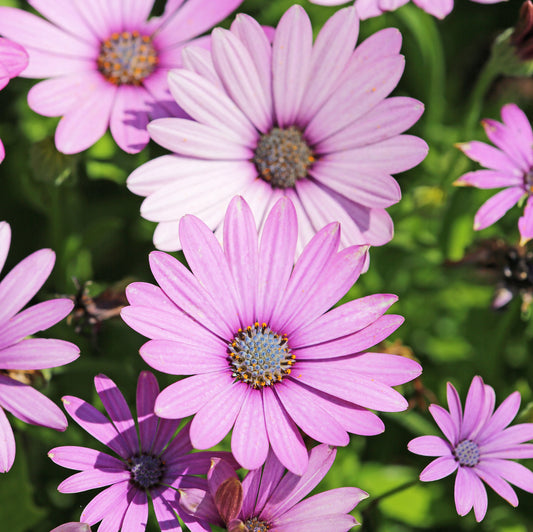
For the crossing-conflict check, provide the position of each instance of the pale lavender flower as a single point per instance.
(72, 527)
(21, 355)
(265, 353)
(509, 165)
(13, 60)
(479, 447)
(311, 122)
(271, 499)
(373, 8)
(151, 464)
(107, 63)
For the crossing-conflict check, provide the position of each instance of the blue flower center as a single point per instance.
(254, 525)
(146, 470)
(282, 157)
(127, 58)
(259, 357)
(467, 453)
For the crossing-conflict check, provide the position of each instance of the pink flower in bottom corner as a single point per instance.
(373, 8)
(152, 463)
(21, 355)
(509, 166)
(72, 527)
(479, 447)
(13, 60)
(269, 498)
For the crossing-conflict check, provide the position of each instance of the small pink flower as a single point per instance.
(18, 353)
(107, 63)
(509, 165)
(479, 447)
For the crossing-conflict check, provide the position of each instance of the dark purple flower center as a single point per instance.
(146, 470)
(282, 157)
(255, 525)
(467, 453)
(259, 357)
(127, 58)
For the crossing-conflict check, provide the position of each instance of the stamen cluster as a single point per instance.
(255, 525)
(146, 470)
(467, 453)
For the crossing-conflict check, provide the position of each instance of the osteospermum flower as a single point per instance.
(309, 122)
(72, 527)
(22, 357)
(271, 499)
(265, 355)
(107, 63)
(373, 8)
(479, 447)
(509, 165)
(13, 60)
(151, 464)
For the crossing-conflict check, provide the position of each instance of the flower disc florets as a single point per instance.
(282, 157)
(260, 357)
(127, 58)
(146, 470)
(467, 453)
(255, 525)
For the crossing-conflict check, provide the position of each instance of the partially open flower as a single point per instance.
(522, 36)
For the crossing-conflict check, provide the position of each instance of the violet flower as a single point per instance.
(72, 527)
(479, 447)
(22, 357)
(509, 165)
(107, 63)
(311, 122)
(151, 464)
(13, 60)
(271, 499)
(265, 353)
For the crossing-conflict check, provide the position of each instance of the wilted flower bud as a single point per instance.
(522, 36)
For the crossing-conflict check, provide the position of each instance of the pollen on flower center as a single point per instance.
(255, 525)
(467, 453)
(282, 157)
(127, 58)
(259, 357)
(146, 470)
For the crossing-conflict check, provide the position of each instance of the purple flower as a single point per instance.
(309, 122)
(265, 354)
(268, 499)
(373, 8)
(509, 165)
(107, 63)
(478, 447)
(72, 527)
(20, 356)
(152, 463)
(13, 60)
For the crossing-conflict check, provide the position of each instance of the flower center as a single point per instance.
(282, 157)
(467, 453)
(254, 525)
(259, 357)
(146, 470)
(127, 58)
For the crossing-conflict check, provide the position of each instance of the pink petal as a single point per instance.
(500, 486)
(7, 443)
(147, 391)
(439, 468)
(505, 139)
(474, 406)
(489, 156)
(105, 502)
(487, 179)
(504, 414)
(38, 353)
(83, 458)
(13, 57)
(136, 517)
(429, 446)
(445, 423)
(494, 208)
(464, 490)
(5, 241)
(525, 223)
(516, 120)
(92, 479)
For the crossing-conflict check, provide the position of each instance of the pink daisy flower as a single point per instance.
(374, 8)
(152, 463)
(271, 499)
(72, 527)
(20, 356)
(479, 447)
(311, 122)
(265, 353)
(13, 60)
(107, 63)
(509, 165)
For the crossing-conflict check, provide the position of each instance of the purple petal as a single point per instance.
(5, 240)
(494, 208)
(96, 424)
(505, 139)
(291, 63)
(439, 468)
(504, 414)
(92, 479)
(489, 157)
(7, 443)
(272, 473)
(486, 179)
(136, 516)
(454, 406)
(511, 471)
(283, 435)
(72, 527)
(13, 58)
(29, 405)
(464, 490)
(105, 502)
(525, 223)
(474, 408)
(516, 120)
(215, 418)
(480, 497)
(83, 458)
(113, 518)
(23, 282)
(445, 423)
(429, 446)
(250, 487)
(164, 513)
(179, 444)
(134, 14)
(38, 353)
(200, 61)
(147, 391)
(500, 486)
(521, 450)
(339, 523)
(187, 396)
(249, 441)
(510, 436)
